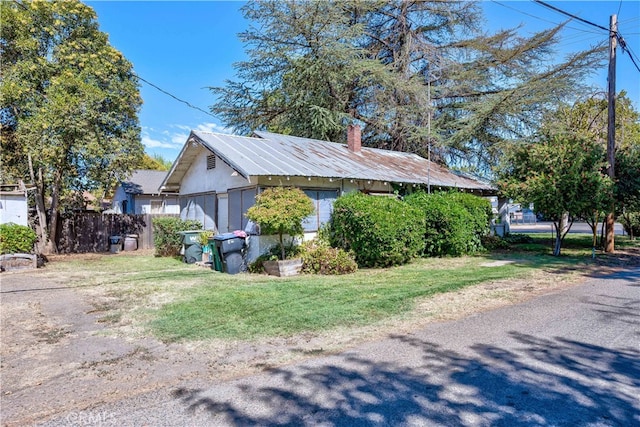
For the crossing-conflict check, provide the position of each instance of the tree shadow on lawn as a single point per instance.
(534, 382)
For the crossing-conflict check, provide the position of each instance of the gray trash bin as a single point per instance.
(230, 247)
(115, 244)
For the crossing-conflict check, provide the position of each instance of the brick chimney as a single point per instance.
(354, 141)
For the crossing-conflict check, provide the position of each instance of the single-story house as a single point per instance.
(14, 204)
(218, 176)
(140, 194)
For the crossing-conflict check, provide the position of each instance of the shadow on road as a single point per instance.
(632, 276)
(544, 382)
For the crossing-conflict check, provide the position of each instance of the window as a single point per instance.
(323, 202)
(211, 162)
(200, 207)
(239, 201)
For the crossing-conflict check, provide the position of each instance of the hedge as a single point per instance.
(454, 222)
(379, 231)
(16, 238)
(166, 234)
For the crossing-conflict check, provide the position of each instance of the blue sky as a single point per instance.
(184, 47)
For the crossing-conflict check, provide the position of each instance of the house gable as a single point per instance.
(201, 177)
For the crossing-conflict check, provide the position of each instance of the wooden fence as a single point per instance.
(91, 231)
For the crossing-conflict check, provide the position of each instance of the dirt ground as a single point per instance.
(58, 352)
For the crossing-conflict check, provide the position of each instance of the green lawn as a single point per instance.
(184, 302)
(235, 308)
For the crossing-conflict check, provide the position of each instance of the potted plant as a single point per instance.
(203, 239)
(280, 211)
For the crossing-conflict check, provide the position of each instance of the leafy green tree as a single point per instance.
(280, 211)
(561, 175)
(69, 105)
(395, 66)
(587, 118)
(155, 162)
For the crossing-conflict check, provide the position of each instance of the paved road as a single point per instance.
(547, 227)
(571, 358)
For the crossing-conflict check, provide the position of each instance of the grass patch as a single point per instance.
(575, 245)
(176, 301)
(240, 309)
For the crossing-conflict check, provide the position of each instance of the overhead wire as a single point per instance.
(621, 40)
(188, 104)
(571, 15)
(136, 75)
(540, 18)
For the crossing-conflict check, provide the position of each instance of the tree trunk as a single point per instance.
(282, 255)
(558, 242)
(53, 220)
(610, 242)
(562, 227)
(41, 211)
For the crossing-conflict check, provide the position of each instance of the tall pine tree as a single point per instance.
(394, 66)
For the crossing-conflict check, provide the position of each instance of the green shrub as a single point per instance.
(455, 222)
(631, 223)
(257, 266)
(480, 210)
(320, 258)
(492, 243)
(166, 234)
(515, 238)
(16, 238)
(379, 231)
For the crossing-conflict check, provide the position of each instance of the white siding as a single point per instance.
(170, 205)
(13, 208)
(200, 180)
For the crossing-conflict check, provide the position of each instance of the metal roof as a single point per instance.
(271, 154)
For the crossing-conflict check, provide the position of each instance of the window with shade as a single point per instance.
(323, 202)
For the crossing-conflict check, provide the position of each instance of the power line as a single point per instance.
(625, 48)
(621, 40)
(539, 18)
(188, 104)
(547, 5)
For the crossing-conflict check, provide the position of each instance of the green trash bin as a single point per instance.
(192, 248)
(216, 259)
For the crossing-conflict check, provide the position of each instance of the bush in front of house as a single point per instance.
(15, 239)
(379, 231)
(166, 234)
(481, 213)
(451, 224)
(320, 258)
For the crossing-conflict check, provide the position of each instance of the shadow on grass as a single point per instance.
(536, 381)
(530, 380)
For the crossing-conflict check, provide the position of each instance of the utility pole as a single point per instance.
(611, 129)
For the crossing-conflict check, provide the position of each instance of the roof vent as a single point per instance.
(211, 162)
